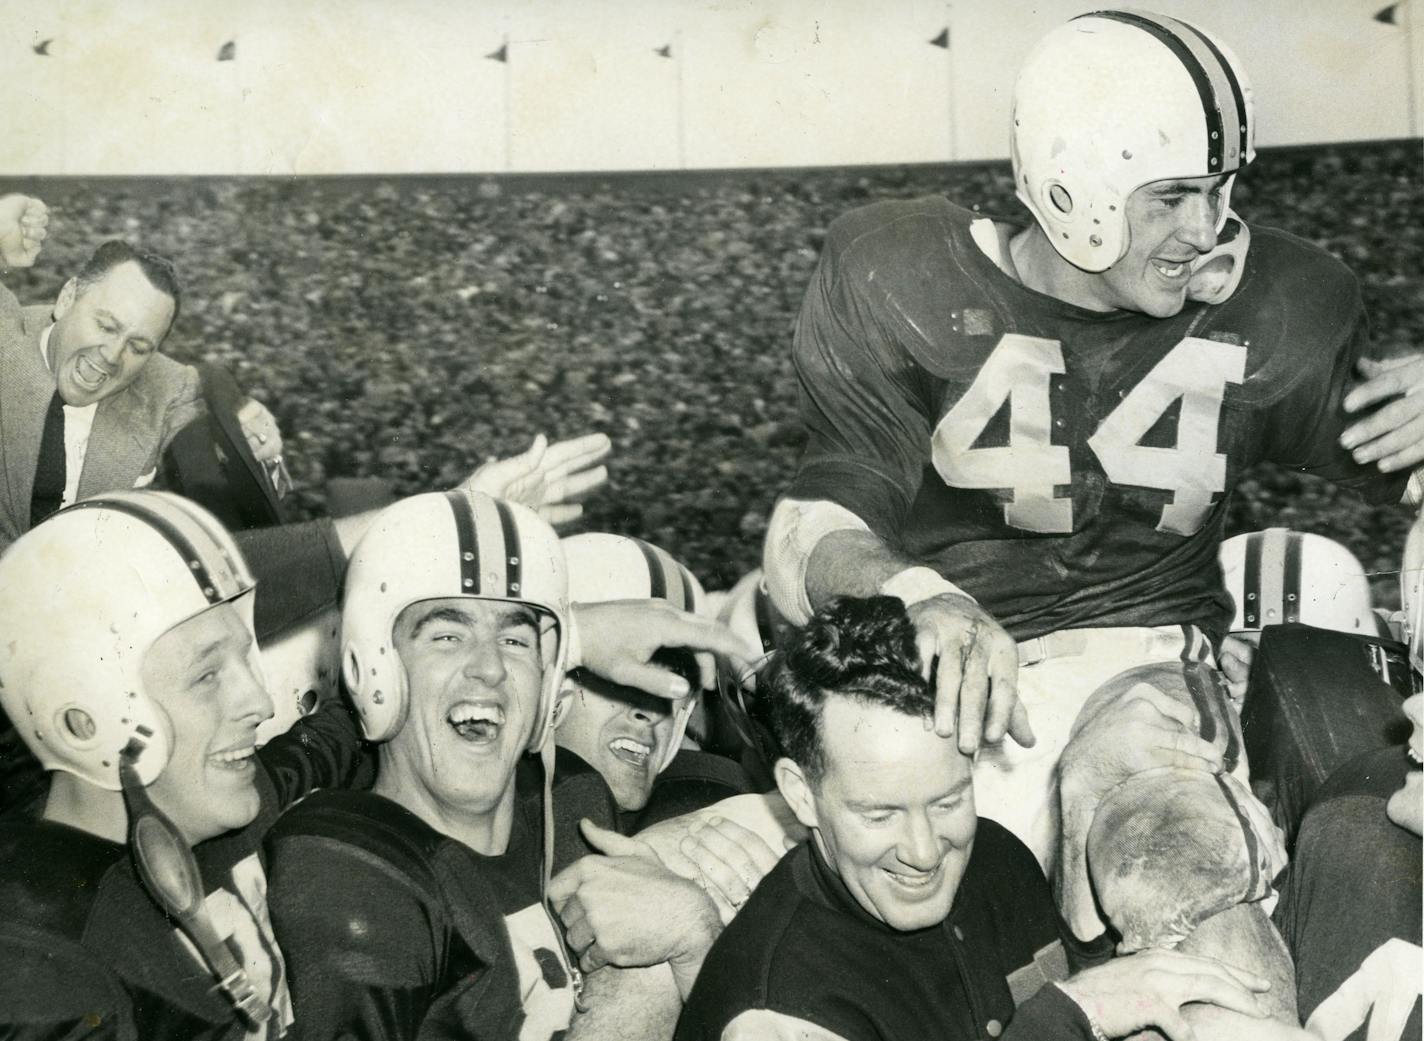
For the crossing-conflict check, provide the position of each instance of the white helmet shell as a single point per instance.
(1114, 100)
(86, 594)
(605, 567)
(1411, 594)
(459, 543)
(1278, 575)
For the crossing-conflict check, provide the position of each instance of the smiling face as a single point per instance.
(1406, 806)
(200, 674)
(474, 669)
(893, 811)
(104, 334)
(1170, 224)
(621, 732)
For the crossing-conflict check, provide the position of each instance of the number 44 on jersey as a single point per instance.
(1030, 467)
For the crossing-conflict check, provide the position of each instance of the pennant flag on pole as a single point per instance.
(1387, 15)
(942, 40)
(501, 55)
(42, 48)
(228, 51)
(665, 51)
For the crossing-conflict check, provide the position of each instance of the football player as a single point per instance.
(135, 904)
(1029, 430)
(419, 906)
(634, 740)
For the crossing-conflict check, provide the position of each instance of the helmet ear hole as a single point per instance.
(79, 724)
(351, 667)
(1060, 199)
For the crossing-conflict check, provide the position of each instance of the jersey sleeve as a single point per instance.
(324, 750)
(1050, 1015)
(862, 400)
(53, 988)
(1305, 425)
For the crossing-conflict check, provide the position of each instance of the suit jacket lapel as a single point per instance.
(115, 456)
(25, 389)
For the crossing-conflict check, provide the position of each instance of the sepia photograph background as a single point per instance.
(424, 231)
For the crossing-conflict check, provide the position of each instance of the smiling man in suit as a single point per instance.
(87, 402)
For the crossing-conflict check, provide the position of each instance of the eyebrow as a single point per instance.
(1181, 188)
(863, 807)
(509, 617)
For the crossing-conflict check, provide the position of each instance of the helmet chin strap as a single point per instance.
(169, 872)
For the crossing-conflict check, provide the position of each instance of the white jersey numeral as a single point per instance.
(1197, 372)
(1019, 372)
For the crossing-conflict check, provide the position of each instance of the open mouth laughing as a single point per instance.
(476, 722)
(634, 753)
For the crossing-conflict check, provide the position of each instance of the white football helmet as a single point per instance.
(1411, 596)
(459, 543)
(86, 594)
(1114, 100)
(605, 567)
(1278, 575)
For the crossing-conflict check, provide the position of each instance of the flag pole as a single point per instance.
(681, 110)
(949, 68)
(508, 109)
(1411, 59)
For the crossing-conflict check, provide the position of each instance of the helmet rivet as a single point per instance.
(1112, 208)
(378, 697)
(207, 590)
(1214, 135)
(1213, 161)
(514, 560)
(383, 587)
(1126, 154)
(1065, 234)
(1290, 596)
(1094, 240)
(193, 565)
(467, 555)
(1250, 596)
(469, 583)
(514, 587)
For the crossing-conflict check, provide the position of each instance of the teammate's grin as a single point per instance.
(634, 753)
(476, 722)
(237, 759)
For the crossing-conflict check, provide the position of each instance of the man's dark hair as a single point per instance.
(157, 269)
(861, 648)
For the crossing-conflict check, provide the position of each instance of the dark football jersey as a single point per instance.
(89, 954)
(1066, 467)
(803, 950)
(392, 929)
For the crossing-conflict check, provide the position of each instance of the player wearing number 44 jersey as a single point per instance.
(1029, 431)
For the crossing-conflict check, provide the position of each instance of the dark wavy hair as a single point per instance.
(156, 268)
(854, 647)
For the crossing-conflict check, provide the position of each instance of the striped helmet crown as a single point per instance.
(604, 567)
(1111, 101)
(459, 543)
(85, 595)
(1278, 575)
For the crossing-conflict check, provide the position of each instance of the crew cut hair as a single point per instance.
(854, 647)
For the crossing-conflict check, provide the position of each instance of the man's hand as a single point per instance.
(618, 638)
(547, 477)
(24, 223)
(1393, 436)
(626, 909)
(726, 859)
(260, 428)
(1235, 658)
(1143, 728)
(973, 664)
(1150, 988)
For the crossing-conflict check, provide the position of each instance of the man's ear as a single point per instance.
(565, 702)
(65, 300)
(796, 790)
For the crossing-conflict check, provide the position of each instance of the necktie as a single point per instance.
(48, 490)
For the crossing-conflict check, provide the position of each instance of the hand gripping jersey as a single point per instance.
(1066, 467)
